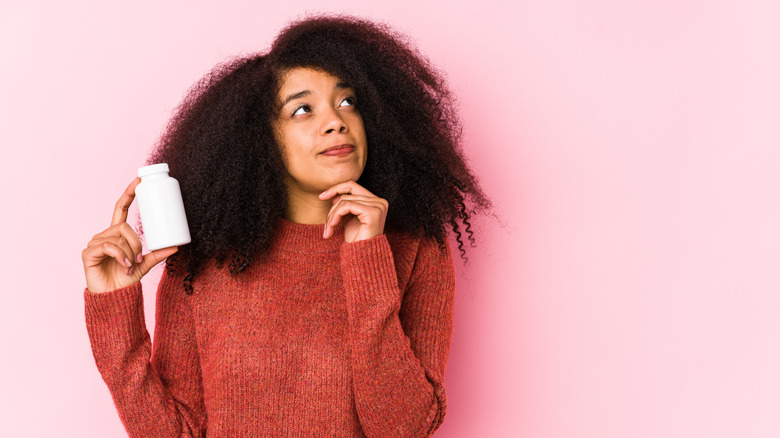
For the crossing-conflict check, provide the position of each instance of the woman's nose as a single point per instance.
(333, 122)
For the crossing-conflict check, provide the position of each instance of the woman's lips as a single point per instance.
(339, 150)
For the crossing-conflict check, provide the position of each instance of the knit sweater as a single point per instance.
(319, 338)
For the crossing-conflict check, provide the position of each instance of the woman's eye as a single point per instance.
(348, 101)
(301, 110)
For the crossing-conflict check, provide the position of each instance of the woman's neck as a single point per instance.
(306, 208)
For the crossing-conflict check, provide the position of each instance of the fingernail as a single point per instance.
(130, 271)
(322, 194)
(127, 262)
(139, 258)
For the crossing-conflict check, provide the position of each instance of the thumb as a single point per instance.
(155, 257)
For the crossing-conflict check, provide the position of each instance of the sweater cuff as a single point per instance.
(115, 317)
(368, 272)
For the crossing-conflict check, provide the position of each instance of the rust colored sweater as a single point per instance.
(322, 338)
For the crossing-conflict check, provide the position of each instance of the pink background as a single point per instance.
(630, 288)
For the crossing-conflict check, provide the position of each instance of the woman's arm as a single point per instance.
(399, 348)
(157, 389)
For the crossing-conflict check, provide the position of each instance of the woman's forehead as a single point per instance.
(302, 75)
(302, 81)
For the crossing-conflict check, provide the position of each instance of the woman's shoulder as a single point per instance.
(402, 242)
(405, 241)
(410, 249)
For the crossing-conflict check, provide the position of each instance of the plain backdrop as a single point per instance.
(629, 287)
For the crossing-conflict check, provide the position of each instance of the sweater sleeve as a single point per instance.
(157, 389)
(399, 342)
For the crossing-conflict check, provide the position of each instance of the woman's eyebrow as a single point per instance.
(304, 93)
(297, 95)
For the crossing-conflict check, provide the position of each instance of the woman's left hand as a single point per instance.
(363, 211)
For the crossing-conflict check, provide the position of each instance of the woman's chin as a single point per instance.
(342, 178)
(324, 182)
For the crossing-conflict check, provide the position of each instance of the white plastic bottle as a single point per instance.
(161, 208)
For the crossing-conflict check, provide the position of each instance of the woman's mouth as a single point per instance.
(340, 150)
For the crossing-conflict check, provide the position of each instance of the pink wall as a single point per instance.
(632, 152)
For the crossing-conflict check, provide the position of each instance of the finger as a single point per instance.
(112, 231)
(367, 200)
(354, 197)
(122, 229)
(357, 198)
(155, 257)
(374, 202)
(133, 240)
(95, 255)
(346, 187)
(367, 214)
(371, 201)
(120, 209)
(120, 242)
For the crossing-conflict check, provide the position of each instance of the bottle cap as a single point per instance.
(154, 168)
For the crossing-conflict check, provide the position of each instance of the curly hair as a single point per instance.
(221, 148)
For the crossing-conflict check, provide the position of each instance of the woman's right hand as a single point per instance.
(113, 259)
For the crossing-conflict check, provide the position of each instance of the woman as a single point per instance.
(326, 171)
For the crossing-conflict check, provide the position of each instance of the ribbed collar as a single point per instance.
(306, 238)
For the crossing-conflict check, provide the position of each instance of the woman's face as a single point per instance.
(319, 131)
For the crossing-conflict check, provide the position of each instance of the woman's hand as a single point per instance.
(113, 259)
(364, 212)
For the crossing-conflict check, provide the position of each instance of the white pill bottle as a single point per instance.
(161, 208)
